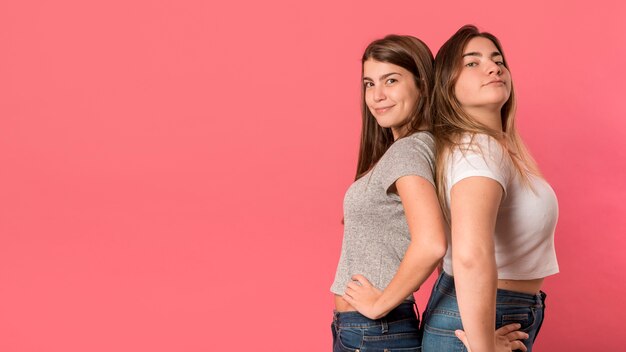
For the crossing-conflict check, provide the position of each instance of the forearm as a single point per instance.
(474, 204)
(476, 285)
(420, 260)
(427, 247)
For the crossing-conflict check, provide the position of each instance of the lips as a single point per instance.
(495, 81)
(383, 109)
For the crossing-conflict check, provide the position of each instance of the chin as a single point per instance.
(383, 124)
(501, 100)
(388, 124)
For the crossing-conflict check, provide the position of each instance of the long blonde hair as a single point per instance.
(451, 122)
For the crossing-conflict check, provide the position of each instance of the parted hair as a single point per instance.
(413, 55)
(451, 122)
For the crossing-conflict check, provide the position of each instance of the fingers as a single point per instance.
(361, 280)
(349, 292)
(518, 345)
(348, 299)
(508, 328)
(460, 334)
(508, 335)
(516, 335)
(353, 290)
(353, 286)
(513, 335)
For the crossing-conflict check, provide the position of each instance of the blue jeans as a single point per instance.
(397, 331)
(442, 315)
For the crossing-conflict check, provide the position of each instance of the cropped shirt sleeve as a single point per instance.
(482, 156)
(412, 155)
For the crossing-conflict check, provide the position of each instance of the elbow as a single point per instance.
(438, 249)
(434, 247)
(378, 315)
(472, 258)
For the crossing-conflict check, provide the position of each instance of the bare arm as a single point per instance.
(427, 247)
(474, 204)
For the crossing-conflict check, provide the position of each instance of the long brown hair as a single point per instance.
(451, 122)
(413, 55)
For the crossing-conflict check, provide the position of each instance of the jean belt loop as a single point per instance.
(538, 299)
(543, 298)
(385, 325)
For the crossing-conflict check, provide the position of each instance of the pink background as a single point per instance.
(172, 172)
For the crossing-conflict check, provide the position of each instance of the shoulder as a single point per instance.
(479, 155)
(479, 140)
(410, 155)
(422, 143)
(480, 144)
(421, 137)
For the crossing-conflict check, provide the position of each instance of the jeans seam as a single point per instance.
(394, 336)
(344, 347)
(439, 331)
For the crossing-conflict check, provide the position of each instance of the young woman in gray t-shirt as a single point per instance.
(393, 226)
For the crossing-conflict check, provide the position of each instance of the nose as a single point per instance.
(379, 93)
(494, 68)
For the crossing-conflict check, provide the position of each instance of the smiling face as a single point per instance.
(390, 94)
(484, 83)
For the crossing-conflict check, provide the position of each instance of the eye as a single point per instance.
(500, 63)
(471, 64)
(391, 81)
(368, 84)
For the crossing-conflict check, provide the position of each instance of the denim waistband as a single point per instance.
(445, 284)
(404, 311)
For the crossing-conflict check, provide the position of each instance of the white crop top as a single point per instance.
(524, 233)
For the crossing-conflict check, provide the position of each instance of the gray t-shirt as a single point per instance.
(376, 234)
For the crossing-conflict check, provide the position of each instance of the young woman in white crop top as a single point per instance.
(502, 213)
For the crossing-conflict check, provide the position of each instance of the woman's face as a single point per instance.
(483, 82)
(390, 94)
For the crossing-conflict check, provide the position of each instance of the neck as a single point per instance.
(404, 130)
(399, 131)
(491, 118)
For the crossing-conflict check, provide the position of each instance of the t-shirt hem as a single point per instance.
(336, 292)
(389, 182)
(410, 298)
(481, 173)
(525, 276)
(528, 276)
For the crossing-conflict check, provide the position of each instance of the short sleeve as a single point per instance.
(484, 156)
(412, 155)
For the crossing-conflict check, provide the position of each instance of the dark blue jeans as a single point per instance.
(397, 331)
(442, 316)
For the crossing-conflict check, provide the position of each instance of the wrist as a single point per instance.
(377, 313)
(380, 309)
